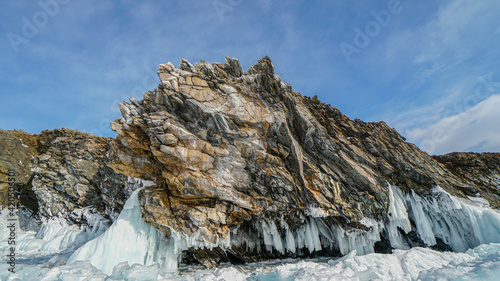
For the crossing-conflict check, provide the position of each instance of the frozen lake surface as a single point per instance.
(130, 249)
(480, 263)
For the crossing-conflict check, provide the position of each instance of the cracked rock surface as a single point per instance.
(226, 146)
(61, 170)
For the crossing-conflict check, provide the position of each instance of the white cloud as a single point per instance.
(475, 129)
(448, 106)
(447, 100)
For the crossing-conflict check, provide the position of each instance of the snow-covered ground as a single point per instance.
(480, 263)
(130, 249)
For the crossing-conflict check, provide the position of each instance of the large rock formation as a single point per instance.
(247, 169)
(228, 149)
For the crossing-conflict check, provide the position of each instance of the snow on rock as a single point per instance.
(129, 239)
(55, 234)
(316, 212)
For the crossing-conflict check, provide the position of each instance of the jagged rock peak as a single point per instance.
(211, 71)
(233, 67)
(264, 65)
(186, 65)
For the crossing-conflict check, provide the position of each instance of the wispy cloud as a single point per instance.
(475, 129)
(440, 65)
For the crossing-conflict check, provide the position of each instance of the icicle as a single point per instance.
(422, 221)
(360, 241)
(314, 235)
(398, 218)
(460, 223)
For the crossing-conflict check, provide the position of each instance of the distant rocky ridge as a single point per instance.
(481, 172)
(230, 151)
(61, 170)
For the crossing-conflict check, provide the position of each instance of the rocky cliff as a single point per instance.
(58, 171)
(247, 169)
(481, 172)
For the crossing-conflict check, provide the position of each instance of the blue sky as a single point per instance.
(430, 69)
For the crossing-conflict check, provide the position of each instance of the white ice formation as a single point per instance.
(55, 234)
(315, 234)
(460, 223)
(129, 239)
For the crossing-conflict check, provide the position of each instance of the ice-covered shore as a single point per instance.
(480, 263)
(131, 249)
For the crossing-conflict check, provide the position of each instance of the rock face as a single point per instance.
(228, 149)
(61, 170)
(16, 151)
(481, 172)
(246, 169)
